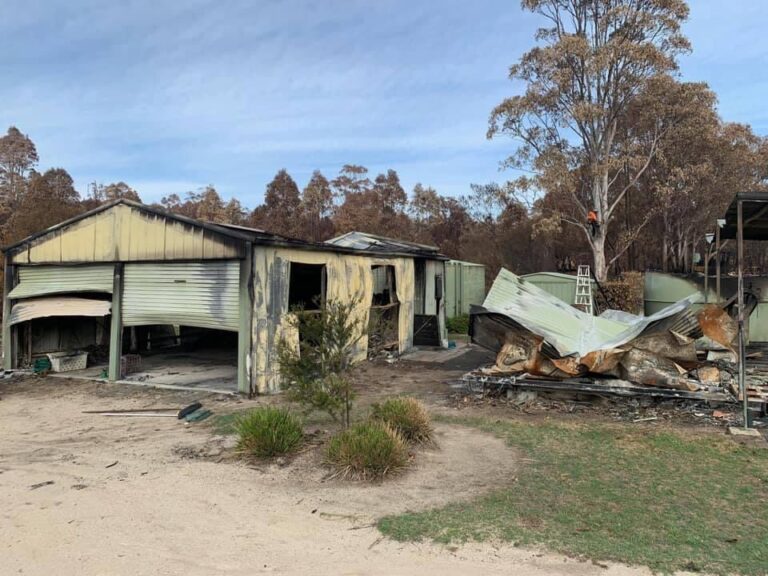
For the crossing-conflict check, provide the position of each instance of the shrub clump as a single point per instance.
(367, 451)
(269, 431)
(408, 417)
(458, 324)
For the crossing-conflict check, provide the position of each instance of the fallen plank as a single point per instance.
(130, 411)
(141, 414)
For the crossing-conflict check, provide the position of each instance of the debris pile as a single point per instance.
(677, 352)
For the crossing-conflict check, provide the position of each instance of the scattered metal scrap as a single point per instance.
(542, 343)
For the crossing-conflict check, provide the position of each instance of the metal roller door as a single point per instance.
(41, 280)
(205, 294)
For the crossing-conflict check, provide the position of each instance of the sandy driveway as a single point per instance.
(154, 496)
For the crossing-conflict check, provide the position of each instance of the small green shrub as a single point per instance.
(458, 324)
(367, 451)
(268, 432)
(315, 371)
(408, 417)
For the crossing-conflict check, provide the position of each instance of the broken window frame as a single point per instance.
(303, 306)
(384, 313)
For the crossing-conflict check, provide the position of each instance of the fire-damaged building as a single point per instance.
(129, 279)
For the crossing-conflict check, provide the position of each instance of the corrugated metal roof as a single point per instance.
(754, 213)
(568, 329)
(225, 232)
(61, 306)
(375, 243)
(465, 263)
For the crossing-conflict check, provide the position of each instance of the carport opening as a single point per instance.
(383, 321)
(185, 356)
(51, 335)
(306, 286)
(70, 335)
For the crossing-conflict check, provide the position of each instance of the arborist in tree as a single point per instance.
(593, 221)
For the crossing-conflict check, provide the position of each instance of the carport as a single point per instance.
(144, 274)
(745, 219)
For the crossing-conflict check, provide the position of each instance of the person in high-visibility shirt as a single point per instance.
(593, 222)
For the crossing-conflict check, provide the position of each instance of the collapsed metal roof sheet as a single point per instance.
(571, 331)
(63, 306)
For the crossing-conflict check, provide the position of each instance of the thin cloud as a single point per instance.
(169, 96)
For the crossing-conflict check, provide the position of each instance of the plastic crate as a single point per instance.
(67, 361)
(129, 364)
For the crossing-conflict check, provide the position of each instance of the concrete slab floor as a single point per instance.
(749, 432)
(205, 370)
(464, 357)
(435, 354)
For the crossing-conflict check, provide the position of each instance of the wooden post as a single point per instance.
(244, 334)
(116, 327)
(742, 353)
(717, 265)
(7, 337)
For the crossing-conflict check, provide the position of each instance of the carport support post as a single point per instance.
(116, 327)
(742, 353)
(244, 334)
(7, 338)
(717, 255)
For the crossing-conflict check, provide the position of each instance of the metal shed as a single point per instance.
(662, 290)
(465, 286)
(125, 269)
(562, 286)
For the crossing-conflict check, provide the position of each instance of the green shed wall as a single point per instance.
(661, 290)
(562, 286)
(464, 286)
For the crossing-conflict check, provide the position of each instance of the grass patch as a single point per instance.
(407, 416)
(269, 431)
(367, 451)
(611, 493)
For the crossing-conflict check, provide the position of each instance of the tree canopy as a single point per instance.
(595, 57)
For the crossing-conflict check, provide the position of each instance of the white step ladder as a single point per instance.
(584, 290)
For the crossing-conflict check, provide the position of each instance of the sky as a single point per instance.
(172, 95)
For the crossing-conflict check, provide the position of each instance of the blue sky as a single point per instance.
(171, 95)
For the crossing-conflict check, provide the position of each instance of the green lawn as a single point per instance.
(617, 493)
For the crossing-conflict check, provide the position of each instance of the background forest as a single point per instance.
(604, 124)
(700, 166)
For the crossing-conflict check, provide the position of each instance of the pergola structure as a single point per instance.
(745, 219)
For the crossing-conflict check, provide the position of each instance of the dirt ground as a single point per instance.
(87, 494)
